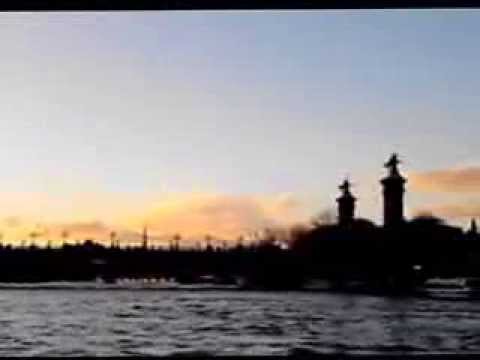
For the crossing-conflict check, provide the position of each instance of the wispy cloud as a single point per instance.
(454, 180)
(453, 210)
(221, 215)
(193, 215)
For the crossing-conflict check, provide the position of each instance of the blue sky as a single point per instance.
(246, 102)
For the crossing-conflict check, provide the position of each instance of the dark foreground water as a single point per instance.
(149, 322)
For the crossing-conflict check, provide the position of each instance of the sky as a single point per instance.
(224, 123)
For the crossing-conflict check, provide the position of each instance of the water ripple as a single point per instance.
(148, 323)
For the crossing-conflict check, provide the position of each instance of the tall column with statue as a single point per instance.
(346, 205)
(393, 192)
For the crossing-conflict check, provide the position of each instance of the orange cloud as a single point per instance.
(193, 215)
(222, 215)
(453, 211)
(12, 221)
(79, 230)
(456, 180)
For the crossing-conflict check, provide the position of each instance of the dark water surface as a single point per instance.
(145, 322)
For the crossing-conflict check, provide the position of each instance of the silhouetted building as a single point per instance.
(472, 232)
(145, 238)
(354, 254)
(113, 235)
(346, 205)
(473, 228)
(208, 240)
(393, 191)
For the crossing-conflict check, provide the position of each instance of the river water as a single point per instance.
(70, 322)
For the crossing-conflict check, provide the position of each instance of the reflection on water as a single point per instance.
(137, 322)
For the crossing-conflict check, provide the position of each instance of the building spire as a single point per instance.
(392, 165)
(113, 235)
(473, 227)
(345, 187)
(393, 191)
(346, 204)
(145, 237)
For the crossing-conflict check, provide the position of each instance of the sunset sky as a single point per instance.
(229, 122)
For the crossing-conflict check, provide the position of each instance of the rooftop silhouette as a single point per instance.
(401, 254)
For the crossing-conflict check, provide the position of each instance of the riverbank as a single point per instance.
(432, 293)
